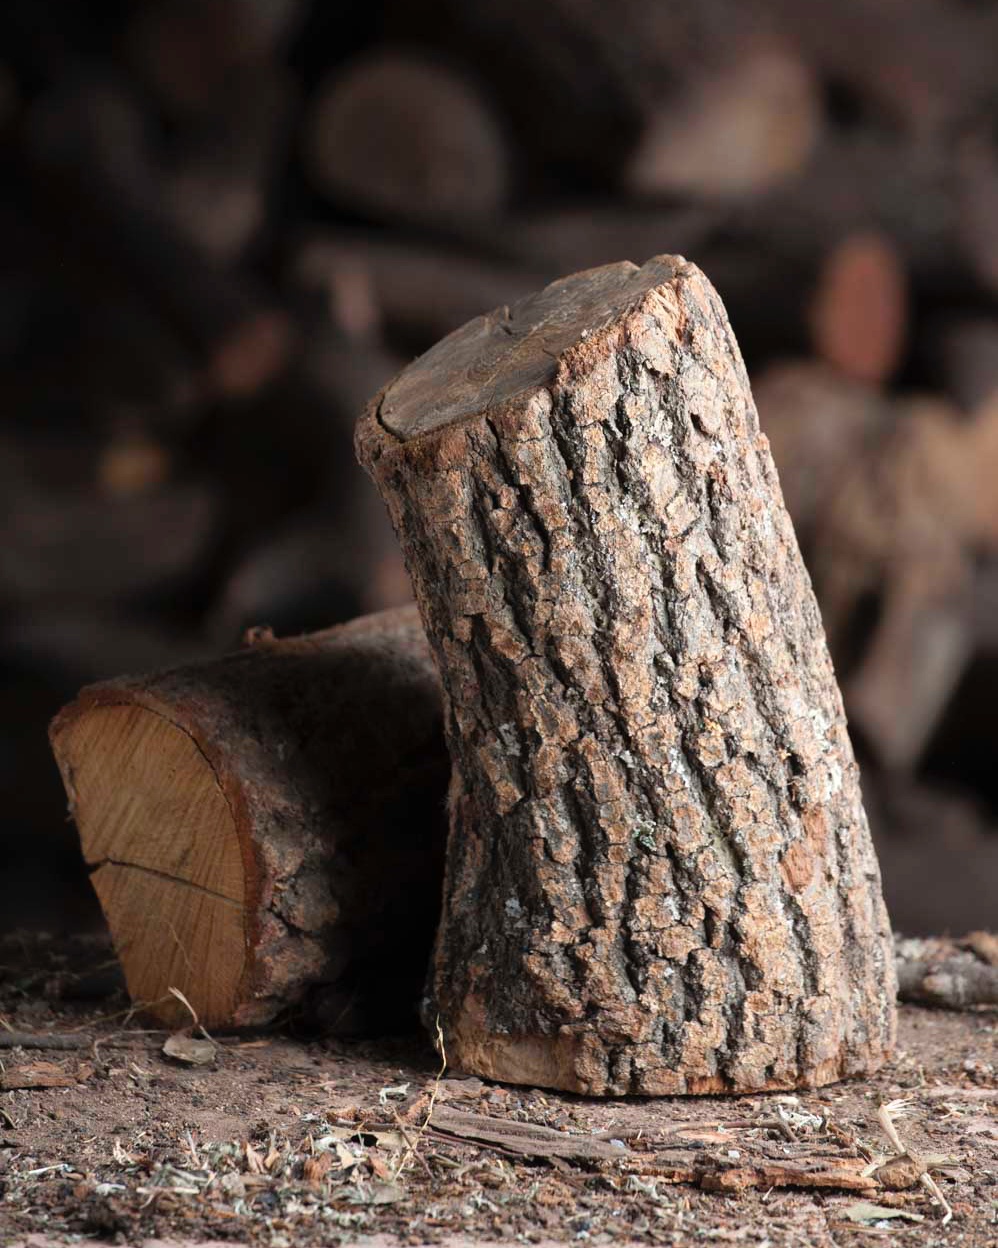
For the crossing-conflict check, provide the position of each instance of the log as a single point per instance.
(900, 531)
(735, 132)
(859, 308)
(81, 157)
(659, 874)
(419, 292)
(919, 64)
(102, 547)
(407, 139)
(955, 975)
(580, 80)
(819, 423)
(265, 830)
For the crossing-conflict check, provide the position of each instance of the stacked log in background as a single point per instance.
(225, 223)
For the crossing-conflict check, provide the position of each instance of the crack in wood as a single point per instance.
(165, 875)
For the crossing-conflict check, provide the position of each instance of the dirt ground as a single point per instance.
(290, 1142)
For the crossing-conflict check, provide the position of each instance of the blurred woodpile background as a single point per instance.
(225, 223)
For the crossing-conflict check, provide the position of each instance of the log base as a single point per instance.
(575, 1061)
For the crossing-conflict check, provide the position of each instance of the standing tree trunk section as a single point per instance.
(266, 830)
(660, 877)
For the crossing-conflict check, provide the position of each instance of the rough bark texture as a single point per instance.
(659, 875)
(296, 843)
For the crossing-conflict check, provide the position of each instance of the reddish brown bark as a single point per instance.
(660, 877)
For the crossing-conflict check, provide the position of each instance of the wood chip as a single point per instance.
(189, 1049)
(45, 1075)
(863, 1211)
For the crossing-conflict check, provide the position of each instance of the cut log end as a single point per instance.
(509, 353)
(161, 841)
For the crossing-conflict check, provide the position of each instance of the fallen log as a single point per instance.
(953, 974)
(659, 878)
(406, 138)
(267, 827)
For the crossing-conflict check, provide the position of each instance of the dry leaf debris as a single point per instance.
(292, 1142)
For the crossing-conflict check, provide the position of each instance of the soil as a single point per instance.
(292, 1141)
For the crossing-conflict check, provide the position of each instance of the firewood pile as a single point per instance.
(226, 225)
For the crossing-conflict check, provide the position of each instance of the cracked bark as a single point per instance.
(659, 873)
(266, 830)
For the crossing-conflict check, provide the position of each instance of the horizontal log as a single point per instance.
(406, 138)
(264, 831)
(732, 131)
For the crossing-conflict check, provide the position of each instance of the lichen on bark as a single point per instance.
(660, 877)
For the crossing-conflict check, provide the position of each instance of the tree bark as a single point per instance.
(268, 827)
(659, 877)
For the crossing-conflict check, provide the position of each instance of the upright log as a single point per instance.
(266, 830)
(659, 878)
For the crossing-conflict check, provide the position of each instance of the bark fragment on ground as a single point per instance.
(660, 877)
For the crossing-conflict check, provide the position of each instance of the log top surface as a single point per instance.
(510, 351)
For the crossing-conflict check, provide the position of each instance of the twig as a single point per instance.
(194, 1015)
(69, 1040)
(42, 1040)
(413, 1148)
(886, 1115)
